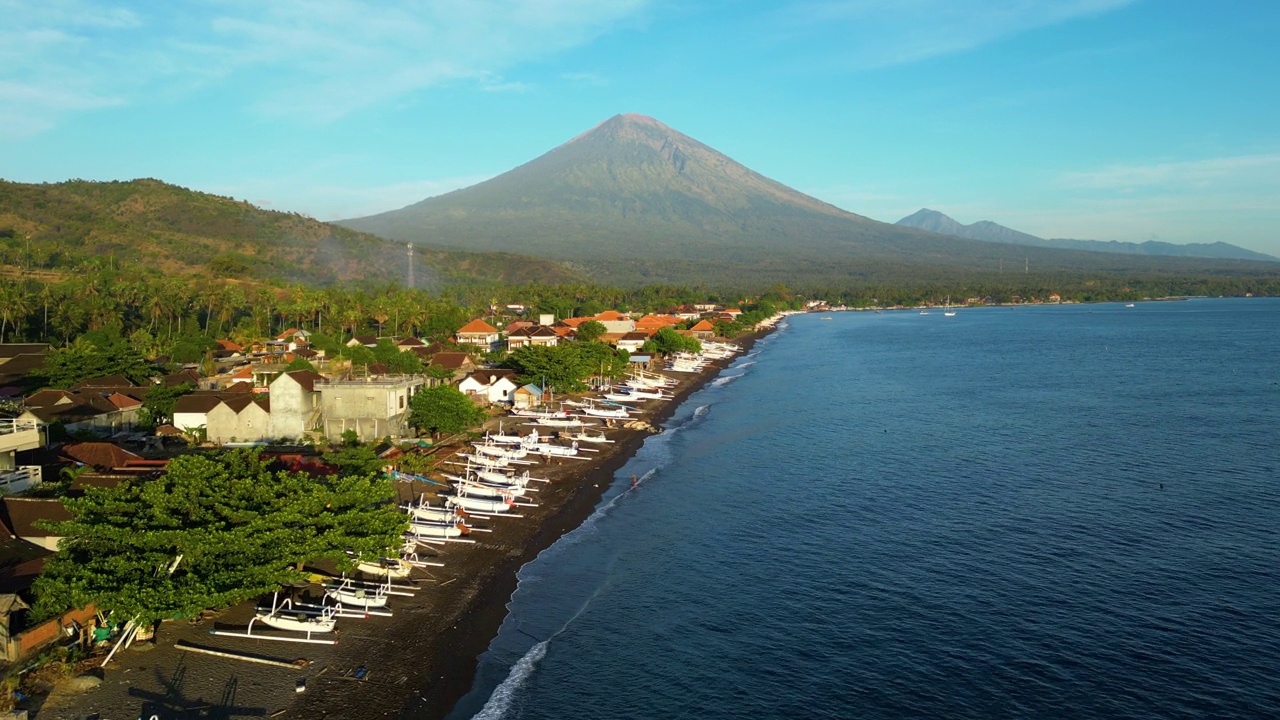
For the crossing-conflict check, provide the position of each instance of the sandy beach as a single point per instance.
(416, 664)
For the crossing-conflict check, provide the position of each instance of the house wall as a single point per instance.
(26, 643)
(292, 408)
(250, 425)
(618, 326)
(372, 410)
(190, 421)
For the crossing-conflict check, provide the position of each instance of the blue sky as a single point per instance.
(1100, 119)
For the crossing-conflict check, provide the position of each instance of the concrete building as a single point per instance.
(373, 407)
(295, 404)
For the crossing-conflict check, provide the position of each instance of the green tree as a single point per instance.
(159, 401)
(443, 409)
(96, 356)
(299, 364)
(354, 459)
(591, 330)
(240, 528)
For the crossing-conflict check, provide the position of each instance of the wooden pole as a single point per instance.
(295, 665)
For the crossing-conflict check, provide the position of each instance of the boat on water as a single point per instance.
(1129, 305)
(946, 309)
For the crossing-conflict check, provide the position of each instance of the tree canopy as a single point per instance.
(239, 527)
(443, 409)
(565, 368)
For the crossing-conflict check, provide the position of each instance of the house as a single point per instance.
(243, 375)
(372, 407)
(1055, 298)
(687, 312)
(99, 455)
(478, 333)
(222, 416)
(368, 341)
(517, 325)
(182, 377)
(410, 343)
(615, 322)
(494, 385)
(103, 410)
(703, 330)
(19, 360)
(241, 418)
(526, 396)
(293, 335)
(21, 514)
(228, 349)
(632, 341)
(295, 404)
(536, 335)
(459, 362)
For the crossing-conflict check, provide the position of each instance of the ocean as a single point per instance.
(1016, 512)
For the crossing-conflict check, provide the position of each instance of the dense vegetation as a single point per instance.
(212, 531)
(151, 226)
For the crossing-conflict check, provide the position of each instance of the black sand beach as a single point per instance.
(416, 664)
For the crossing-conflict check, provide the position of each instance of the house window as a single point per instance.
(248, 423)
(401, 402)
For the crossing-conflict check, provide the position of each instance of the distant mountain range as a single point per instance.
(633, 201)
(155, 226)
(934, 221)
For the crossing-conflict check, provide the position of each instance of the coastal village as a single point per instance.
(460, 492)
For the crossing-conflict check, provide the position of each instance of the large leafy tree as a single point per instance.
(91, 356)
(160, 401)
(565, 368)
(443, 409)
(591, 330)
(240, 529)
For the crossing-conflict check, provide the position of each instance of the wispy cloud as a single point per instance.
(1246, 171)
(316, 59)
(326, 201)
(882, 33)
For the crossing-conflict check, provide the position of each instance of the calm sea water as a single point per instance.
(1038, 512)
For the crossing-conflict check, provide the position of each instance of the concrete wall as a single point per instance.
(225, 425)
(292, 408)
(372, 409)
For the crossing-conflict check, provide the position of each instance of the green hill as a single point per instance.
(161, 227)
(633, 201)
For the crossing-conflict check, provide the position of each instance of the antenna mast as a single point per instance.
(410, 284)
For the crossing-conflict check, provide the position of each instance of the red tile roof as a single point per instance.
(101, 455)
(702, 326)
(477, 326)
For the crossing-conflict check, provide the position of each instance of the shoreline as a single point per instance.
(492, 605)
(417, 664)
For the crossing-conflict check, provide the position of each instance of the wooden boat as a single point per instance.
(480, 505)
(351, 594)
(499, 451)
(583, 436)
(438, 529)
(285, 617)
(618, 413)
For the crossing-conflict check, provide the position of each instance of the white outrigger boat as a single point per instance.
(535, 413)
(426, 511)
(623, 397)
(500, 451)
(283, 616)
(383, 567)
(584, 436)
(553, 450)
(350, 593)
(487, 506)
(646, 393)
(571, 422)
(617, 413)
(438, 529)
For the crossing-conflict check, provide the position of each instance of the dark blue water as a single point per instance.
(1037, 512)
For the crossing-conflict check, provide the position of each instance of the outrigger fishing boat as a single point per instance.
(584, 436)
(284, 616)
(351, 593)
